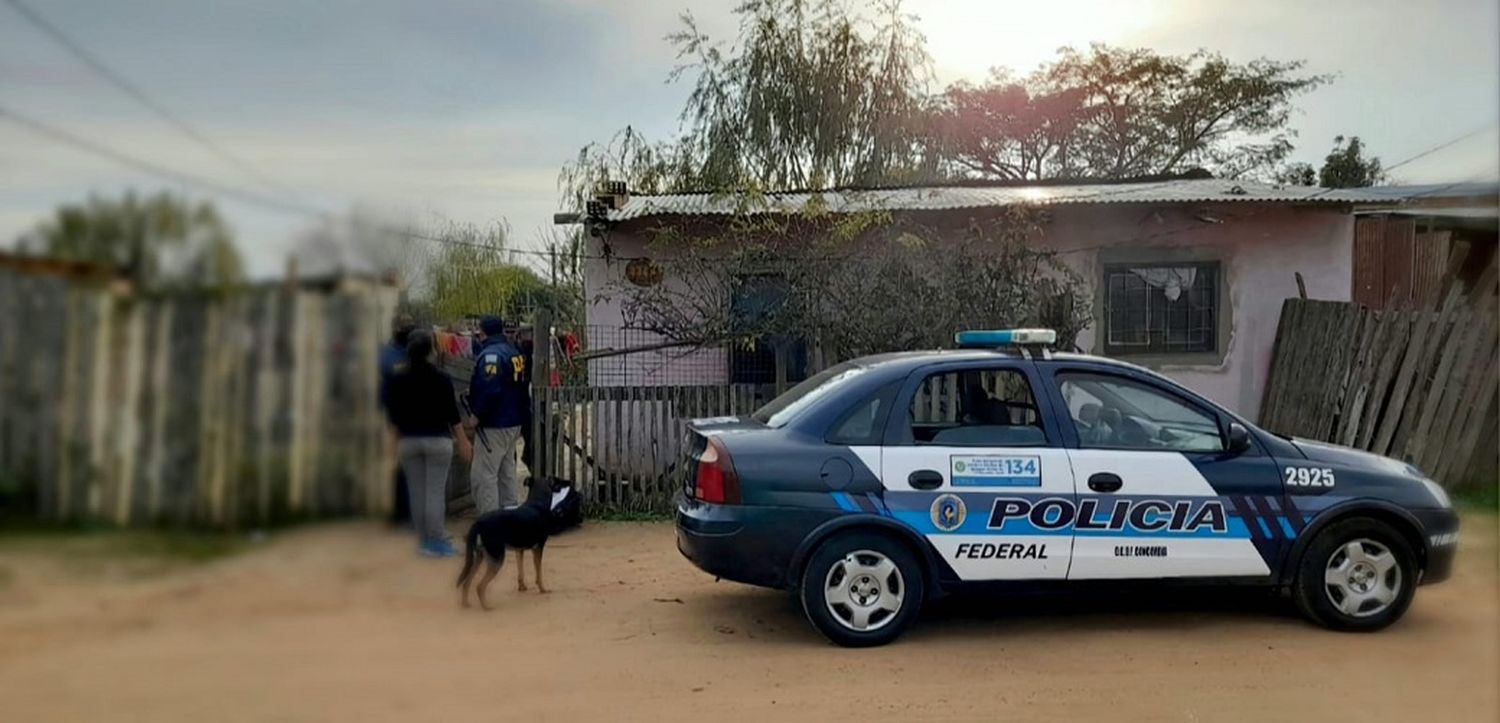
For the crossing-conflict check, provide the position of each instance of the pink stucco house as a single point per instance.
(1188, 274)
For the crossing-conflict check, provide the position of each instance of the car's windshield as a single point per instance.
(782, 409)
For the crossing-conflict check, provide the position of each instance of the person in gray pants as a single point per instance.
(421, 406)
(497, 396)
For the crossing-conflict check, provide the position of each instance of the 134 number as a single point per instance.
(1309, 477)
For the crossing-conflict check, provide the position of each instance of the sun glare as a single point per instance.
(968, 37)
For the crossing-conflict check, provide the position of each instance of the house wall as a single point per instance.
(606, 322)
(1259, 247)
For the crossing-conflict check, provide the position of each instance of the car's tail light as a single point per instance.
(716, 481)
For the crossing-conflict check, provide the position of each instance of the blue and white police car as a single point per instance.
(885, 481)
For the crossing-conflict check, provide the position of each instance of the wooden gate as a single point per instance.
(624, 446)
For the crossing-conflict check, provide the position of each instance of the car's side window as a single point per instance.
(1117, 413)
(865, 423)
(976, 408)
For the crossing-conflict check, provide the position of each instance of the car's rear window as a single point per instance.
(782, 409)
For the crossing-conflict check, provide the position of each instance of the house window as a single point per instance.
(753, 298)
(1161, 308)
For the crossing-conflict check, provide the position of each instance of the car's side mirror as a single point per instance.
(1239, 439)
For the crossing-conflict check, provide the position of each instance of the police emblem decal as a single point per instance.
(948, 512)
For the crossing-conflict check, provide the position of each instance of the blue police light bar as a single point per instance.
(986, 338)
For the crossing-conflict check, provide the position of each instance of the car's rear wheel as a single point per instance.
(862, 589)
(1357, 574)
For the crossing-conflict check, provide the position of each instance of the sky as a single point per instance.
(465, 110)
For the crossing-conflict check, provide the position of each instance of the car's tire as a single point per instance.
(853, 581)
(1357, 575)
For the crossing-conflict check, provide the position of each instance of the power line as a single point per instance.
(239, 194)
(140, 95)
(1441, 146)
(1423, 154)
(182, 177)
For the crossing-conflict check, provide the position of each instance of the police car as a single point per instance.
(886, 481)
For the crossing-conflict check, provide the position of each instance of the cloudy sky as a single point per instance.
(465, 110)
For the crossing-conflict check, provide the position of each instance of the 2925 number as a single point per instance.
(1309, 477)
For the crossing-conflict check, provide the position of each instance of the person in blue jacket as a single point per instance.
(497, 399)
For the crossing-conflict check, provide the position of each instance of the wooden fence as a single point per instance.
(1414, 384)
(623, 446)
(223, 411)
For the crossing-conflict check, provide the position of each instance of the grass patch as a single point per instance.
(1478, 497)
(91, 544)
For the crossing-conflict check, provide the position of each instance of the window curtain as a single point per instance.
(1172, 280)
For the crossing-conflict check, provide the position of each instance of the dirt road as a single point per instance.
(342, 622)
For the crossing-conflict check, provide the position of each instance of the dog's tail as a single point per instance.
(471, 554)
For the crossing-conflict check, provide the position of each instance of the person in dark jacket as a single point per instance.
(526, 344)
(497, 398)
(420, 405)
(393, 360)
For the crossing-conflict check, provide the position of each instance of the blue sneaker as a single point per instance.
(437, 548)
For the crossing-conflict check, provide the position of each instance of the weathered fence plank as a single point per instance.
(204, 410)
(1414, 384)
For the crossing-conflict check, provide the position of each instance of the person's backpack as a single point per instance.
(567, 506)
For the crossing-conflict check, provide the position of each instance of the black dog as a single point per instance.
(523, 528)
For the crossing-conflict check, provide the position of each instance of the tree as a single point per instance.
(858, 283)
(808, 98)
(1346, 166)
(1297, 174)
(1113, 112)
(470, 272)
(367, 241)
(160, 240)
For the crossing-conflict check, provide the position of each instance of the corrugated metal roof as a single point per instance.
(1475, 212)
(1463, 189)
(940, 198)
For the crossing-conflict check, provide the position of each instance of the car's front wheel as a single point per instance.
(862, 589)
(1358, 575)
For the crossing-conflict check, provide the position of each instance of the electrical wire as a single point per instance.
(145, 166)
(242, 195)
(103, 69)
(1441, 146)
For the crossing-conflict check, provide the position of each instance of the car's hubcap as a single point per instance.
(1362, 578)
(864, 590)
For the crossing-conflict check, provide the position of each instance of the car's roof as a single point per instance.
(912, 359)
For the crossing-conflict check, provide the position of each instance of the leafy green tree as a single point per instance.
(1297, 174)
(158, 240)
(1347, 167)
(470, 271)
(812, 95)
(1111, 112)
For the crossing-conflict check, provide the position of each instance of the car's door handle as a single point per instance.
(925, 479)
(1105, 482)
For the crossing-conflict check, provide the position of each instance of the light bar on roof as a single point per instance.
(987, 338)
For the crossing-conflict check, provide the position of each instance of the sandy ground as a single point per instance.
(343, 622)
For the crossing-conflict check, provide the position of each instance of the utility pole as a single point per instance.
(553, 254)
